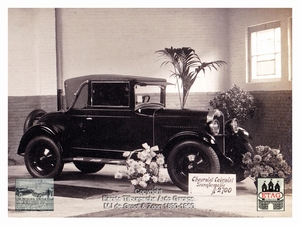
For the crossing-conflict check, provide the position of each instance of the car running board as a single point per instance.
(96, 160)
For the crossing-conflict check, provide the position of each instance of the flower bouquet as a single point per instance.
(143, 166)
(266, 162)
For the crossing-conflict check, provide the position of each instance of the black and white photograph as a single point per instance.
(150, 112)
(34, 194)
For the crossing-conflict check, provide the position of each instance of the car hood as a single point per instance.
(181, 113)
(52, 116)
(181, 116)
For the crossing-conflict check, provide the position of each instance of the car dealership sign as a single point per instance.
(212, 184)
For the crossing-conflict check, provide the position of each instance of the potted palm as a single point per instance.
(187, 65)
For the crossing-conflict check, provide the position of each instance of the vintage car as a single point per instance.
(106, 115)
(23, 191)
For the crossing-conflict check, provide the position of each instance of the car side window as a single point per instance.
(82, 100)
(110, 94)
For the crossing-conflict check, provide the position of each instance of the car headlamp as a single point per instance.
(234, 125)
(214, 127)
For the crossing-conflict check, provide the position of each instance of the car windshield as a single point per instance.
(148, 94)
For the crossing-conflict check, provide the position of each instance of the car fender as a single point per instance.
(243, 133)
(233, 130)
(190, 135)
(199, 135)
(37, 130)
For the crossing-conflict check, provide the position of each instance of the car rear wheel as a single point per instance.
(87, 167)
(32, 118)
(43, 158)
(191, 157)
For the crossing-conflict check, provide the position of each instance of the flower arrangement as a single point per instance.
(266, 162)
(235, 103)
(144, 170)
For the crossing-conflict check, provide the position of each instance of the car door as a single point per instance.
(76, 117)
(112, 127)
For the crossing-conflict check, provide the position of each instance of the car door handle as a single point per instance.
(89, 118)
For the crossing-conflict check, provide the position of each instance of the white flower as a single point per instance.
(146, 177)
(162, 179)
(160, 156)
(153, 165)
(140, 164)
(130, 162)
(134, 182)
(136, 164)
(130, 170)
(118, 175)
(143, 183)
(126, 154)
(141, 170)
(145, 168)
(154, 179)
(160, 160)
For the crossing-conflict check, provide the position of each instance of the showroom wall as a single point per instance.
(31, 52)
(124, 41)
(238, 22)
(272, 123)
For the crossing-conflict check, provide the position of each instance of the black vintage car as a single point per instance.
(107, 115)
(23, 191)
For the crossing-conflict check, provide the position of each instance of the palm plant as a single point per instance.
(187, 65)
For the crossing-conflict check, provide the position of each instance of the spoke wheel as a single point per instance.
(191, 157)
(43, 158)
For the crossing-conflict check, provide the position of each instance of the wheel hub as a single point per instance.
(190, 166)
(193, 162)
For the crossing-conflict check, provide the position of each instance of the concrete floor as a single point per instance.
(241, 205)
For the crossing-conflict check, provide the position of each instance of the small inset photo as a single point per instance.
(34, 194)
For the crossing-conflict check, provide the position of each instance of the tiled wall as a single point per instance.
(272, 123)
(18, 110)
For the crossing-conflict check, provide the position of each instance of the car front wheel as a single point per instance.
(191, 157)
(43, 158)
(87, 167)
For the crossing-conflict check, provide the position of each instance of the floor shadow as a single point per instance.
(75, 191)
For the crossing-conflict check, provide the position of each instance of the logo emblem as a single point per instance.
(270, 194)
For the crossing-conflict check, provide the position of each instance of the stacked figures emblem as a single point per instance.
(270, 194)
